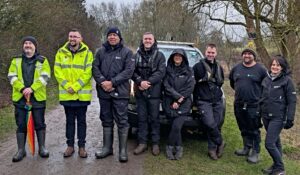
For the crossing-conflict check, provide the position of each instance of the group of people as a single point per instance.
(259, 93)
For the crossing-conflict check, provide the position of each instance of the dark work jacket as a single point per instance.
(28, 69)
(178, 82)
(278, 97)
(115, 64)
(149, 66)
(208, 81)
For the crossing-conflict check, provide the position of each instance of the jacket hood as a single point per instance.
(185, 61)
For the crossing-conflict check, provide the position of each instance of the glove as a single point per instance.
(289, 124)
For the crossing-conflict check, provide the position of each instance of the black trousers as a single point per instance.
(38, 115)
(249, 124)
(175, 138)
(73, 113)
(212, 118)
(114, 110)
(273, 127)
(148, 115)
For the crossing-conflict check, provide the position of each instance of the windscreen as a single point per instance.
(193, 55)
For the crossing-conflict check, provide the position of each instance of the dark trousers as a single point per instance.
(114, 109)
(249, 123)
(148, 114)
(38, 115)
(71, 114)
(175, 138)
(273, 145)
(212, 118)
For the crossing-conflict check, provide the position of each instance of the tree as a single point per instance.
(279, 16)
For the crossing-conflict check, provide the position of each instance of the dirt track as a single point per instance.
(56, 144)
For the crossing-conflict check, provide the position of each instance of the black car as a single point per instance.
(194, 55)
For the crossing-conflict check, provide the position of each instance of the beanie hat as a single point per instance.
(251, 51)
(31, 39)
(114, 30)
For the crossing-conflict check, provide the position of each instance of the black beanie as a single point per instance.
(114, 30)
(31, 39)
(251, 51)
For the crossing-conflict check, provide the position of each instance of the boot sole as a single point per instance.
(252, 162)
(18, 160)
(68, 155)
(102, 157)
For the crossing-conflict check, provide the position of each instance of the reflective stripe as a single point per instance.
(45, 74)
(66, 66)
(63, 92)
(89, 65)
(81, 82)
(12, 74)
(43, 81)
(57, 64)
(63, 66)
(89, 92)
(86, 59)
(78, 66)
(13, 80)
(45, 77)
(85, 92)
(63, 83)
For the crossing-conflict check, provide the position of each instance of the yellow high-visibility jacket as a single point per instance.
(42, 74)
(74, 71)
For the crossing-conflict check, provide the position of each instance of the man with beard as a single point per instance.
(148, 75)
(208, 99)
(112, 69)
(28, 74)
(245, 79)
(73, 72)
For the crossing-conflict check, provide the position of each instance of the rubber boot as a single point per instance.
(245, 150)
(253, 157)
(178, 152)
(41, 136)
(170, 152)
(107, 143)
(21, 139)
(123, 135)
(267, 170)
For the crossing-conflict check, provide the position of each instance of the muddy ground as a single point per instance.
(56, 144)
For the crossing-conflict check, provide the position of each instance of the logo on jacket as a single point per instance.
(118, 58)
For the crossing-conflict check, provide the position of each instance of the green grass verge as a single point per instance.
(196, 162)
(7, 119)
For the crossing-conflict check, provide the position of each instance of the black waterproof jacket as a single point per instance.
(115, 64)
(208, 82)
(179, 81)
(149, 66)
(278, 97)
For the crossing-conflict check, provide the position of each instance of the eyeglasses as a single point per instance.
(73, 36)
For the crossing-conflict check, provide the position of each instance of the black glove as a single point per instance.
(289, 124)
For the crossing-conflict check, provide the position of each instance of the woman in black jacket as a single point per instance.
(278, 106)
(178, 87)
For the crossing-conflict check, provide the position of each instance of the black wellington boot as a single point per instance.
(123, 135)
(107, 143)
(21, 139)
(41, 136)
(245, 150)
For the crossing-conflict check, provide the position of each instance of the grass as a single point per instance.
(195, 159)
(7, 119)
